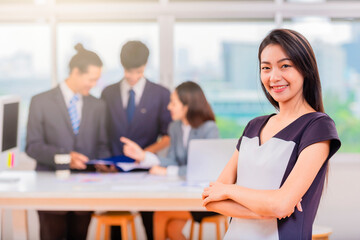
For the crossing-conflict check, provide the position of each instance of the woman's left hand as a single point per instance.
(216, 191)
(157, 170)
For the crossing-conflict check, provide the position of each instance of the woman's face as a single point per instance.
(177, 109)
(279, 75)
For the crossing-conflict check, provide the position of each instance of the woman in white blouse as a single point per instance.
(193, 118)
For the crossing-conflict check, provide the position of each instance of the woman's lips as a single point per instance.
(279, 88)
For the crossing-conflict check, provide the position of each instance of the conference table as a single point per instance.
(138, 191)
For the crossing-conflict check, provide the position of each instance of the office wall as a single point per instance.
(339, 208)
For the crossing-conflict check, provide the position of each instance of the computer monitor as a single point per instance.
(9, 131)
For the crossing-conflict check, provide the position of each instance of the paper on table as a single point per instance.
(128, 166)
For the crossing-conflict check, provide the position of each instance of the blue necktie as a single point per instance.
(74, 117)
(131, 106)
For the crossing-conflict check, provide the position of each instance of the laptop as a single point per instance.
(207, 158)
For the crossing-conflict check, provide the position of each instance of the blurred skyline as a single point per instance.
(220, 56)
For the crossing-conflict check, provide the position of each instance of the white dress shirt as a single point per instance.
(68, 95)
(138, 89)
(186, 133)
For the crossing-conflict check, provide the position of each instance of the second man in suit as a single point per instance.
(137, 109)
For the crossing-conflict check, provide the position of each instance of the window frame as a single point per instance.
(166, 13)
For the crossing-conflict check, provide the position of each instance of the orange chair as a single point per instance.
(321, 233)
(217, 219)
(115, 219)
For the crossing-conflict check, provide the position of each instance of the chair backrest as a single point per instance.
(207, 158)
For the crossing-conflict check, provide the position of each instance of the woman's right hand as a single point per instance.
(298, 206)
(132, 149)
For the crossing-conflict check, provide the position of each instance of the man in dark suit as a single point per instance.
(137, 109)
(67, 120)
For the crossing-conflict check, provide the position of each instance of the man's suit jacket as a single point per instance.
(178, 153)
(151, 117)
(49, 129)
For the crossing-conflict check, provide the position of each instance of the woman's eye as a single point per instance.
(265, 68)
(286, 66)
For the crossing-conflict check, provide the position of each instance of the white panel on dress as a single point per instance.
(260, 167)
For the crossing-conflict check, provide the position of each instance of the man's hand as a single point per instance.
(78, 160)
(105, 169)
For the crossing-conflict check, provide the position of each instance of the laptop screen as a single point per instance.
(207, 158)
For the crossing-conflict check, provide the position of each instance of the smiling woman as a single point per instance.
(281, 159)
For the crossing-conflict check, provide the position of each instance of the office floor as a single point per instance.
(208, 230)
(339, 208)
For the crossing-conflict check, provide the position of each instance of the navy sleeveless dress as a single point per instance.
(267, 166)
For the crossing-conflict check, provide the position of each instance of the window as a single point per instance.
(24, 64)
(210, 47)
(218, 0)
(106, 39)
(336, 44)
(18, 1)
(222, 58)
(104, 1)
(305, 1)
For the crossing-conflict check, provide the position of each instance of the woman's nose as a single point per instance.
(275, 75)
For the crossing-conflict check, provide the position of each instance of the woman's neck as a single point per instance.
(294, 109)
(185, 122)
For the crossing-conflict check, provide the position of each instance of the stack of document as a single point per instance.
(124, 163)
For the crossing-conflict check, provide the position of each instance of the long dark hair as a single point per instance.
(298, 49)
(83, 59)
(199, 110)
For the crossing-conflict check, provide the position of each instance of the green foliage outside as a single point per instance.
(347, 125)
(229, 128)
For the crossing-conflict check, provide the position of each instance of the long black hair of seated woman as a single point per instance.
(199, 109)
